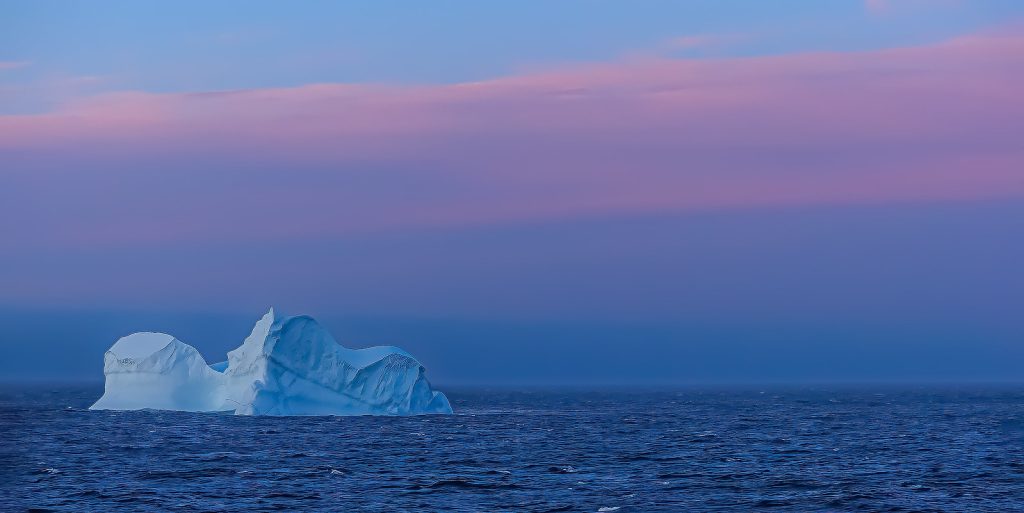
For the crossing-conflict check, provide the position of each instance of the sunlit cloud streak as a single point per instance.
(642, 135)
(5, 65)
(885, 6)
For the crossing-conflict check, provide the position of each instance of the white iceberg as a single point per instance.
(287, 366)
(155, 370)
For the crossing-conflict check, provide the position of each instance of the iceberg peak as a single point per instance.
(286, 366)
(140, 345)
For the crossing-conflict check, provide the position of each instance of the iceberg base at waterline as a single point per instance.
(286, 366)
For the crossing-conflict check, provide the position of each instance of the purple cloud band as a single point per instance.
(941, 122)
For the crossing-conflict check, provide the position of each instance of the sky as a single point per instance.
(572, 192)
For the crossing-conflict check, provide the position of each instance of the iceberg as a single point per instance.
(155, 370)
(286, 366)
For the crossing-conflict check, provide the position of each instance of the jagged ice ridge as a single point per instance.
(286, 366)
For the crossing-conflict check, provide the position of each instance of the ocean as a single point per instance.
(713, 449)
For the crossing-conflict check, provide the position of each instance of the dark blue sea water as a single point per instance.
(775, 449)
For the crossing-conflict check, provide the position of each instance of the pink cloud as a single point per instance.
(884, 6)
(12, 65)
(702, 41)
(936, 123)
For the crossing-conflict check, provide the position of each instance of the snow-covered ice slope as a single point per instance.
(292, 366)
(156, 370)
(287, 366)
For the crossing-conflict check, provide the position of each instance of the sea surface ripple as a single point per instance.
(708, 450)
